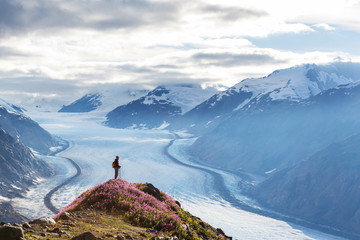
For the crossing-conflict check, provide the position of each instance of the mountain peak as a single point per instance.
(158, 106)
(297, 83)
(87, 103)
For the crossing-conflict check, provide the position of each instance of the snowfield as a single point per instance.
(142, 157)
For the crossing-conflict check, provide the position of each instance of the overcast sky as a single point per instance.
(63, 49)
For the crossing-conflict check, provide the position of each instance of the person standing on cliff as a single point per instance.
(116, 166)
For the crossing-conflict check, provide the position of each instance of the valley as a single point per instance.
(149, 156)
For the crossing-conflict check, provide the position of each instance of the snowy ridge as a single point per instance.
(87, 103)
(293, 84)
(160, 106)
(10, 107)
(184, 96)
(111, 99)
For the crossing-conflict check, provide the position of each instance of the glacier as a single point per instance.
(94, 146)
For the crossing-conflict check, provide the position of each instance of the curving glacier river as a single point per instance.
(148, 156)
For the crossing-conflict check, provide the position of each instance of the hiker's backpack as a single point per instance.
(113, 164)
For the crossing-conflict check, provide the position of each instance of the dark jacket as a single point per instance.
(116, 164)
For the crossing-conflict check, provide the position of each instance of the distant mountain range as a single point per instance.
(159, 107)
(291, 85)
(102, 101)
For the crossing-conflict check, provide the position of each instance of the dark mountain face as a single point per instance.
(9, 215)
(323, 189)
(87, 103)
(149, 111)
(18, 166)
(276, 134)
(27, 131)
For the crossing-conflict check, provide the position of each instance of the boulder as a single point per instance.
(26, 225)
(44, 221)
(11, 232)
(153, 191)
(65, 216)
(85, 236)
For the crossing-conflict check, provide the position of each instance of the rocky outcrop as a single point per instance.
(85, 236)
(138, 211)
(9, 232)
(43, 221)
(99, 213)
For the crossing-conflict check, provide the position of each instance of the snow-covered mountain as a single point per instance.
(159, 107)
(87, 103)
(27, 131)
(11, 107)
(276, 134)
(293, 85)
(103, 101)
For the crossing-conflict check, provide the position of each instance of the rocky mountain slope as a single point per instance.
(27, 131)
(19, 168)
(120, 210)
(158, 107)
(11, 107)
(321, 189)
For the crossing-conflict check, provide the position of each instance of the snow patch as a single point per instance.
(271, 171)
(4, 199)
(241, 105)
(16, 187)
(163, 125)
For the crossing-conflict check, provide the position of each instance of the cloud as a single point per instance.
(9, 12)
(226, 59)
(165, 66)
(38, 84)
(30, 15)
(6, 52)
(324, 26)
(69, 47)
(135, 69)
(231, 13)
(115, 14)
